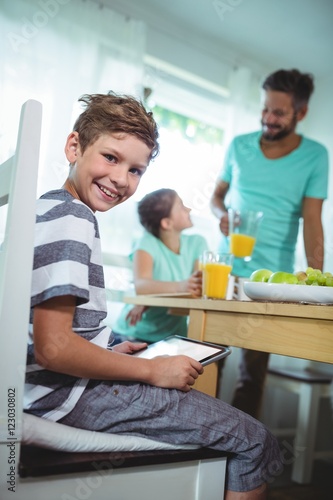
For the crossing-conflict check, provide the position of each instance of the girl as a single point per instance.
(165, 261)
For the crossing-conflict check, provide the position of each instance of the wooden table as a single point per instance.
(291, 329)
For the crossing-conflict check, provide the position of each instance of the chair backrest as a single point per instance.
(118, 274)
(18, 185)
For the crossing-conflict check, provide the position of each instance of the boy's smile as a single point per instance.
(108, 172)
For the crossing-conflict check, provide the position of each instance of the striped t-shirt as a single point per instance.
(67, 261)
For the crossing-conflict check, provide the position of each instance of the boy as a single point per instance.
(69, 367)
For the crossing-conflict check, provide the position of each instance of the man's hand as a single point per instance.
(224, 224)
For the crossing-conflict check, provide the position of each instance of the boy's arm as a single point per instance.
(60, 349)
(146, 284)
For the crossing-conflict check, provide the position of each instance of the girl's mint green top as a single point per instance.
(277, 188)
(156, 323)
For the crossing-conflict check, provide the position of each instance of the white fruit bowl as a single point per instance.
(289, 293)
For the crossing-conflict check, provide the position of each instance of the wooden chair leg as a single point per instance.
(304, 445)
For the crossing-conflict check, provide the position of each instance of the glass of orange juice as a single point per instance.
(243, 229)
(216, 269)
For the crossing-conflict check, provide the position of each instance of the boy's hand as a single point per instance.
(175, 372)
(128, 347)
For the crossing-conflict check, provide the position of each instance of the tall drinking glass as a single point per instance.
(216, 269)
(243, 229)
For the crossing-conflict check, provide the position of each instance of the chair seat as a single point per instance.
(37, 462)
(44, 433)
(306, 375)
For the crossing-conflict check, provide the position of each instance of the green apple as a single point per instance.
(262, 275)
(283, 277)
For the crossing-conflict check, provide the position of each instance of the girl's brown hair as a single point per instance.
(113, 113)
(154, 207)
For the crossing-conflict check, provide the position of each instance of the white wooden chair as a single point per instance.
(310, 386)
(18, 184)
(118, 274)
(36, 456)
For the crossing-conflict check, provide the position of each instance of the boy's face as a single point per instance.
(109, 170)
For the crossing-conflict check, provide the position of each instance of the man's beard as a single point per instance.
(283, 131)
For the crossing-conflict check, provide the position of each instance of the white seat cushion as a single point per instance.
(52, 435)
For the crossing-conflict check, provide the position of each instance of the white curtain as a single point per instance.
(55, 51)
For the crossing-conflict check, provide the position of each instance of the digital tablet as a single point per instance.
(204, 352)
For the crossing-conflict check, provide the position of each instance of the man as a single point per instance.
(284, 175)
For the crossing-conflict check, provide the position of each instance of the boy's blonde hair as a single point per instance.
(112, 113)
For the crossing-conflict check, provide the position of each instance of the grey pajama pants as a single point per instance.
(176, 417)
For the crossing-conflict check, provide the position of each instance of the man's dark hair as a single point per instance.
(299, 85)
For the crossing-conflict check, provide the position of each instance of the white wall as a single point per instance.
(194, 58)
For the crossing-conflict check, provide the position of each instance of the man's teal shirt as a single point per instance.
(276, 187)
